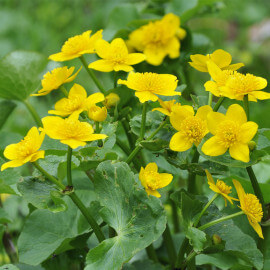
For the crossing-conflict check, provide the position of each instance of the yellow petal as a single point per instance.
(240, 191)
(199, 62)
(164, 111)
(203, 111)
(234, 66)
(102, 65)
(12, 164)
(153, 193)
(214, 70)
(165, 179)
(256, 226)
(71, 78)
(178, 114)
(73, 143)
(154, 55)
(221, 58)
(95, 137)
(261, 95)
(52, 125)
(173, 48)
(179, 142)
(213, 147)
(142, 177)
(261, 83)
(37, 155)
(145, 96)
(11, 151)
(209, 177)
(77, 91)
(119, 45)
(213, 88)
(123, 67)
(135, 58)
(151, 167)
(237, 114)
(247, 131)
(103, 48)
(213, 121)
(94, 99)
(240, 151)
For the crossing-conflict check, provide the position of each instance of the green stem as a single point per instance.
(97, 127)
(175, 217)
(100, 236)
(167, 237)
(151, 253)
(92, 75)
(192, 176)
(115, 75)
(210, 99)
(125, 125)
(63, 90)
(143, 121)
(181, 253)
(257, 190)
(214, 222)
(204, 209)
(33, 112)
(139, 147)
(69, 175)
(246, 106)
(122, 146)
(10, 248)
(218, 104)
(190, 257)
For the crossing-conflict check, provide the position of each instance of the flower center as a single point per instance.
(73, 104)
(243, 84)
(252, 207)
(223, 76)
(55, 78)
(75, 44)
(194, 128)
(223, 187)
(25, 147)
(228, 132)
(152, 180)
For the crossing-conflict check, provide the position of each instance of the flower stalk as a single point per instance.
(33, 112)
(167, 237)
(69, 175)
(218, 104)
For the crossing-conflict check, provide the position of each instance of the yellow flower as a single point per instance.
(77, 46)
(111, 100)
(27, 150)
(231, 131)
(191, 128)
(220, 187)
(52, 80)
(70, 131)
(221, 58)
(115, 56)
(238, 85)
(152, 180)
(97, 114)
(158, 39)
(251, 206)
(166, 106)
(220, 78)
(147, 85)
(76, 102)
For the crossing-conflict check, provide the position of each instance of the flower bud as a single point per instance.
(111, 100)
(216, 239)
(251, 145)
(97, 114)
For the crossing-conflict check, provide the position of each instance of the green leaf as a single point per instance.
(42, 194)
(145, 264)
(155, 145)
(20, 74)
(137, 219)
(6, 108)
(197, 238)
(9, 267)
(4, 217)
(44, 232)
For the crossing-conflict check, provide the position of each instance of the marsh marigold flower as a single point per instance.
(111, 100)
(166, 106)
(70, 130)
(98, 114)
(220, 78)
(152, 180)
(77, 46)
(220, 188)
(251, 206)
(52, 80)
(191, 128)
(231, 131)
(158, 39)
(220, 57)
(27, 150)
(76, 102)
(147, 85)
(115, 56)
(238, 85)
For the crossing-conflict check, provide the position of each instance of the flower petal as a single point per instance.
(103, 48)
(209, 177)
(102, 65)
(151, 167)
(234, 66)
(240, 151)
(256, 226)
(213, 70)
(37, 155)
(203, 111)
(179, 142)
(12, 164)
(164, 111)
(73, 143)
(165, 179)
(213, 121)
(154, 55)
(261, 95)
(153, 193)
(221, 58)
(247, 131)
(213, 147)
(135, 58)
(145, 96)
(212, 87)
(237, 114)
(179, 113)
